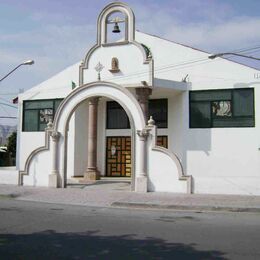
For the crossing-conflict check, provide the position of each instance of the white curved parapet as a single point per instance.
(165, 172)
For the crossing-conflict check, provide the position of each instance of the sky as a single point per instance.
(58, 33)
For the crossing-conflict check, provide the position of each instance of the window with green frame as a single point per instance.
(222, 108)
(36, 113)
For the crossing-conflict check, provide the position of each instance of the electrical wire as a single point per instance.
(8, 105)
(160, 69)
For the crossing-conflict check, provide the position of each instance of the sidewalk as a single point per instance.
(118, 194)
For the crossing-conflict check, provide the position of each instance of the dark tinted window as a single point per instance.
(222, 108)
(158, 109)
(118, 119)
(36, 114)
(116, 116)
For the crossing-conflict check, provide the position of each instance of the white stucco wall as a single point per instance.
(9, 175)
(29, 141)
(164, 169)
(81, 140)
(72, 149)
(221, 160)
(39, 170)
(131, 65)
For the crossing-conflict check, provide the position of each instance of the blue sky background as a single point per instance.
(58, 33)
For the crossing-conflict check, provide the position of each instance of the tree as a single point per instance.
(11, 146)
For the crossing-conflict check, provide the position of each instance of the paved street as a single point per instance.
(33, 230)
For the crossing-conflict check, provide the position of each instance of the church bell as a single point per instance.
(116, 28)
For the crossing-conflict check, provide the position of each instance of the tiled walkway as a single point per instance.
(118, 194)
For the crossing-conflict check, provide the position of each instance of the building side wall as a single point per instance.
(220, 160)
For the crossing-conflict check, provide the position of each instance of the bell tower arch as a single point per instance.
(116, 14)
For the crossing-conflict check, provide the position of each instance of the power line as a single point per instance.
(245, 49)
(163, 68)
(7, 105)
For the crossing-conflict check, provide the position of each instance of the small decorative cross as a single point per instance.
(99, 67)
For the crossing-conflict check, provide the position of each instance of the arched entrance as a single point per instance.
(131, 107)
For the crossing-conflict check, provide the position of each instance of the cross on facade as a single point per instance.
(99, 67)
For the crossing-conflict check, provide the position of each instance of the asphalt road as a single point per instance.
(30, 230)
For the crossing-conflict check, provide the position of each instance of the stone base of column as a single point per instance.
(141, 184)
(91, 175)
(53, 180)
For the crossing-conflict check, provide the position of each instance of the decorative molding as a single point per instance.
(55, 136)
(130, 39)
(93, 101)
(109, 44)
(143, 134)
(89, 85)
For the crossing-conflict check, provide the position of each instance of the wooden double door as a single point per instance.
(118, 156)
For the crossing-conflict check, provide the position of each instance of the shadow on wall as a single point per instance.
(184, 138)
(90, 245)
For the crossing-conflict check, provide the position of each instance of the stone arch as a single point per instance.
(99, 89)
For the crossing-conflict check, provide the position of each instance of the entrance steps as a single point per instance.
(105, 183)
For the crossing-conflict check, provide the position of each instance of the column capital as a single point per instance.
(143, 134)
(143, 93)
(55, 136)
(93, 100)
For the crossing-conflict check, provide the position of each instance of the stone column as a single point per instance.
(92, 172)
(53, 177)
(143, 94)
(141, 178)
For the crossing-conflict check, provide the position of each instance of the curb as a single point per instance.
(185, 207)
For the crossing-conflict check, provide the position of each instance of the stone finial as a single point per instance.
(151, 122)
(50, 124)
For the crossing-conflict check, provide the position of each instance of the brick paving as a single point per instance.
(118, 194)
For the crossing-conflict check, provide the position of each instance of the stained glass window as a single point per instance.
(222, 108)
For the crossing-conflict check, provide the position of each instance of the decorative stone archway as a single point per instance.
(69, 105)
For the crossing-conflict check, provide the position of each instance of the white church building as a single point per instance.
(137, 106)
